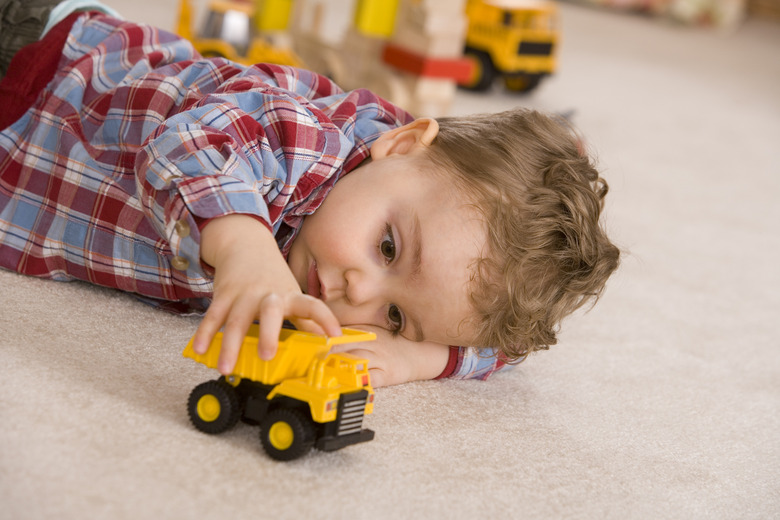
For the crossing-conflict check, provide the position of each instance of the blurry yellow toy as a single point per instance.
(376, 17)
(515, 39)
(304, 397)
(240, 31)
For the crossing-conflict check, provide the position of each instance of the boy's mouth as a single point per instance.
(313, 287)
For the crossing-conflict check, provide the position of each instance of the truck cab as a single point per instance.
(511, 39)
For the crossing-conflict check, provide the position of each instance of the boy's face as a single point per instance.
(392, 246)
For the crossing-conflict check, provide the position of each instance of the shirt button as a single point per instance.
(180, 263)
(182, 228)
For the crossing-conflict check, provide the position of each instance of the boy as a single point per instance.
(128, 161)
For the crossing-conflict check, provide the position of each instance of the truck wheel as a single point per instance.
(482, 73)
(213, 407)
(522, 82)
(286, 434)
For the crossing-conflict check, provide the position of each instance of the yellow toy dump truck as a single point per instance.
(240, 31)
(302, 398)
(513, 39)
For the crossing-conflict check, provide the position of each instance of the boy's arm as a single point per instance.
(398, 360)
(252, 282)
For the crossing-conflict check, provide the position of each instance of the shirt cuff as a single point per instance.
(452, 363)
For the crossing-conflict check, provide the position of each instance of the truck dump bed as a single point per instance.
(296, 351)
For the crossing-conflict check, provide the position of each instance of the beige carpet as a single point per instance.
(662, 402)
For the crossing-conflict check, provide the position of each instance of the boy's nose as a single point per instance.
(361, 287)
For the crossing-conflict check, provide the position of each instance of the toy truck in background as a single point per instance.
(241, 31)
(514, 39)
(302, 398)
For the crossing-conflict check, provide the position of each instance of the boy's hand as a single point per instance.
(396, 360)
(253, 282)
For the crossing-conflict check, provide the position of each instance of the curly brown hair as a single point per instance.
(541, 198)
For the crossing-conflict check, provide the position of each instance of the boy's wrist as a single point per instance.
(432, 360)
(223, 234)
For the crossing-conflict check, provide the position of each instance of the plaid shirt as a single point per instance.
(138, 140)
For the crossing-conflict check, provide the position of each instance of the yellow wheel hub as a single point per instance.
(209, 408)
(281, 435)
(516, 83)
(476, 71)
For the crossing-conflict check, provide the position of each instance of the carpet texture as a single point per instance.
(661, 402)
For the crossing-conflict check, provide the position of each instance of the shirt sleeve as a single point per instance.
(474, 363)
(203, 138)
(146, 141)
(244, 150)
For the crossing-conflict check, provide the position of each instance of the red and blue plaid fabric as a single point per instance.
(475, 363)
(138, 139)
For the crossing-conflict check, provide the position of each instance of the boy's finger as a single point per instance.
(271, 317)
(236, 327)
(208, 327)
(310, 308)
(307, 325)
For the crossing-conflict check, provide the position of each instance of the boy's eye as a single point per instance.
(387, 244)
(395, 319)
(388, 249)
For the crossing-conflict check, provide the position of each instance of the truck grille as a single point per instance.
(535, 48)
(351, 410)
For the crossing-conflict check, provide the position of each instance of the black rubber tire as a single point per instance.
(298, 434)
(214, 407)
(484, 72)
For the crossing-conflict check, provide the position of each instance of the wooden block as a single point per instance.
(457, 69)
(430, 97)
(768, 9)
(445, 45)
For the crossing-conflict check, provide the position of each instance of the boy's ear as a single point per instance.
(417, 134)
